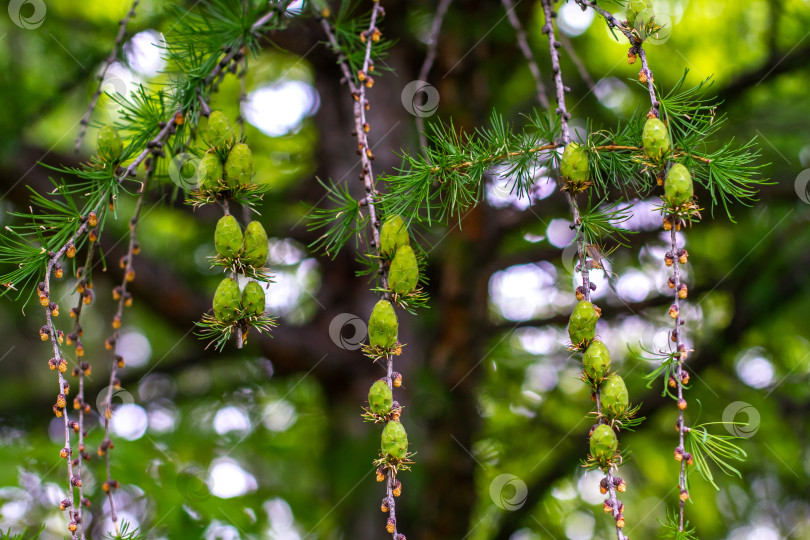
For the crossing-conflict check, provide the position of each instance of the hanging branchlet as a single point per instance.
(390, 253)
(613, 410)
(225, 169)
(119, 39)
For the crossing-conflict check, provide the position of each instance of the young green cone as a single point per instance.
(380, 398)
(228, 237)
(393, 235)
(582, 324)
(404, 271)
(574, 165)
(209, 172)
(227, 300)
(239, 166)
(603, 444)
(394, 440)
(614, 397)
(253, 299)
(655, 138)
(254, 251)
(219, 133)
(596, 362)
(383, 325)
(678, 187)
(110, 145)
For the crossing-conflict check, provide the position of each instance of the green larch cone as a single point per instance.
(228, 237)
(678, 187)
(634, 7)
(227, 300)
(219, 133)
(596, 362)
(404, 271)
(603, 444)
(574, 164)
(394, 440)
(110, 145)
(253, 299)
(383, 325)
(239, 166)
(393, 235)
(614, 397)
(582, 324)
(655, 138)
(209, 172)
(254, 251)
(380, 398)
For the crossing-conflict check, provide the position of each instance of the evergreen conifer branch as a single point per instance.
(119, 39)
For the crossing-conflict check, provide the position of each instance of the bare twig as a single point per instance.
(523, 43)
(430, 58)
(122, 30)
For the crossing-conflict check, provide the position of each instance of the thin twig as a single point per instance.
(129, 275)
(523, 43)
(122, 30)
(427, 64)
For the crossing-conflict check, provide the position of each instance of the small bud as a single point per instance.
(116, 292)
(93, 235)
(669, 259)
(61, 401)
(130, 275)
(607, 506)
(684, 376)
(62, 365)
(92, 219)
(380, 474)
(116, 323)
(683, 291)
(631, 57)
(64, 453)
(580, 294)
(620, 484)
(642, 76)
(72, 526)
(678, 453)
(684, 495)
(57, 271)
(385, 506)
(672, 382)
(671, 282)
(136, 248)
(44, 332)
(71, 251)
(391, 525)
(397, 491)
(620, 521)
(73, 313)
(128, 299)
(673, 311)
(667, 224)
(683, 256)
(119, 361)
(65, 504)
(682, 404)
(603, 486)
(57, 411)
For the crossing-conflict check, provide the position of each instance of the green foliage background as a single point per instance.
(474, 406)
